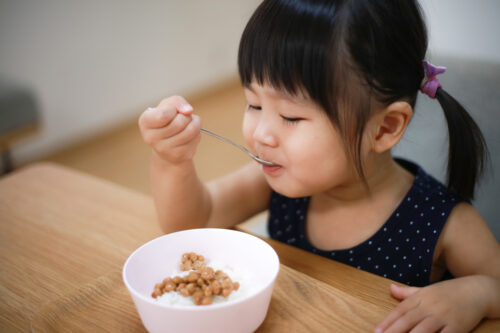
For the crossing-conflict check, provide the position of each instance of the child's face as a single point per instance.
(295, 133)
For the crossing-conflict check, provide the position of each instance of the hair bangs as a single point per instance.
(285, 45)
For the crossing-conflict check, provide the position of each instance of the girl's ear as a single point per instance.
(390, 125)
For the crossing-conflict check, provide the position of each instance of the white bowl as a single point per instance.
(157, 259)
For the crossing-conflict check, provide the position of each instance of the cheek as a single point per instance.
(317, 158)
(248, 127)
(314, 145)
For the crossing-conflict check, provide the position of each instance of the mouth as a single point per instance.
(265, 161)
(271, 170)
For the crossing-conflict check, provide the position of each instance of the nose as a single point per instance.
(264, 134)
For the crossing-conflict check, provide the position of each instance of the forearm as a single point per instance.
(181, 199)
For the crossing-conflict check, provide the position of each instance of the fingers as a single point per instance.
(398, 312)
(180, 135)
(177, 142)
(402, 292)
(171, 129)
(415, 321)
(175, 126)
(164, 113)
(181, 147)
(154, 118)
(430, 324)
(405, 322)
(180, 104)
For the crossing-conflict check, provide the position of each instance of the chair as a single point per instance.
(18, 120)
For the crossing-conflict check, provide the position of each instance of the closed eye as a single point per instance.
(291, 120)
(254, 107)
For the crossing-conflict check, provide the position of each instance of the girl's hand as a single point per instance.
(456, 305)
(171, 129)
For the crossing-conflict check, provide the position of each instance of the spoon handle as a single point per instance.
(238, 146)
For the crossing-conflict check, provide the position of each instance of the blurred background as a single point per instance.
(75, 76)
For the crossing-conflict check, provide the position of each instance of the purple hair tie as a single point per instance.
(430, 83)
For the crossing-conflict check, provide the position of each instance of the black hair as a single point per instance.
(345, 54)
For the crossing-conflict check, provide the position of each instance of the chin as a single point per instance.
(289, 191)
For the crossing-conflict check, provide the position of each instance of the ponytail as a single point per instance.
(467, 152)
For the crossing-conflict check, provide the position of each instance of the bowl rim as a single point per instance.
(151, 301)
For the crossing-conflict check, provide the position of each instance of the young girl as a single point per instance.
(331, 87)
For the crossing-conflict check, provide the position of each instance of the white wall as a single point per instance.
(464, 28)
(95, 64)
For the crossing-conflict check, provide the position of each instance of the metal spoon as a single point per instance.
(238, 146)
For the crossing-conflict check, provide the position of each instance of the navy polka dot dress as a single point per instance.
(401, 250)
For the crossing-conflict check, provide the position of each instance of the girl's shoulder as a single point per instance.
(467, 244)
(427, 194)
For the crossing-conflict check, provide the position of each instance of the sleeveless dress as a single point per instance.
(401, 250)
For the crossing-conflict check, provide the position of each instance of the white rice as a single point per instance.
(245, 279)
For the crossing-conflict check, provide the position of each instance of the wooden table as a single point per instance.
(65, 235)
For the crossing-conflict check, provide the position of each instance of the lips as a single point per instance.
(271, 170)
